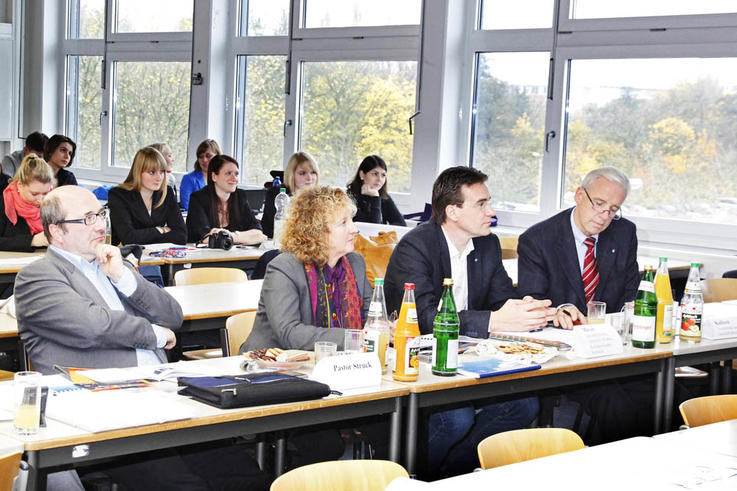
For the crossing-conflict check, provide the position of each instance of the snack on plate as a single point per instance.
(279, 355)
(520, 348)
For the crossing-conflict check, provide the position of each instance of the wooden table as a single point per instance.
(241, 257)
(635, 464)
(12, 262)
(431, 390)
(60, 444)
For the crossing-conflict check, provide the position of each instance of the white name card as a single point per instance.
(592, 340)
(719, 321)
(352, 371)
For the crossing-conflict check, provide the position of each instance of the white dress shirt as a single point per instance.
(459, 272)
(579, 238)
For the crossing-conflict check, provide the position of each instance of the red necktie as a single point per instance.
(590, 273)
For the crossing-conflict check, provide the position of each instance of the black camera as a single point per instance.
(220, 240)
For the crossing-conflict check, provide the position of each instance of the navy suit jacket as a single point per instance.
(422, 258)
(548, 264)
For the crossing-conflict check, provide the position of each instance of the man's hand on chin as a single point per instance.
(110, 260)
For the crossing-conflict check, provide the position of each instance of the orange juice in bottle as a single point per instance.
(406, 365)
(664, 319)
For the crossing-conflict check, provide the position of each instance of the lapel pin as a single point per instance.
(612, 251)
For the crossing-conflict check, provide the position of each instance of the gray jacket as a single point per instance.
(63, 320)
(284, 319)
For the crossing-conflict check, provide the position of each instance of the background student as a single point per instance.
(369, 190)
(197, 179)
(59, 154)
(35, 143)
(171, 180)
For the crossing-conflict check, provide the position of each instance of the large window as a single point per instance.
(83, 105)
(668, 123)
(520, 14)
(510, 126)
(342, 13)
(265, 18)
(593, 9)
(153, 16)
(354, 109)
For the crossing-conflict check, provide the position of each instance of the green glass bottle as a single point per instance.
(646, 310)
(445, 334)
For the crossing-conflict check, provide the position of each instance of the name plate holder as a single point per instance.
(594, 340)
(348, 371)
(719, 321)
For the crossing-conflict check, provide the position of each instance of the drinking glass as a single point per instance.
(617, 321)
(27, 395)
(629, 312)
(323, 349)
(596, 312)
(353, 341)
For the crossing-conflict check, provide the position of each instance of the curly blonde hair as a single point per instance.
(306, 229)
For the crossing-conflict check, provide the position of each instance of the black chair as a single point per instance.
(730, 274)
(260, 269)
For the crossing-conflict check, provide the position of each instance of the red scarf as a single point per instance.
(15, 205)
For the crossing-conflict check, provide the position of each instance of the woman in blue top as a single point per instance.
(197, 179)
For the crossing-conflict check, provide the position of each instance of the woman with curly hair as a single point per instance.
(317, 286)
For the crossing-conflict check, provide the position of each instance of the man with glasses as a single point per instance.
(82, 305)
(586, 253)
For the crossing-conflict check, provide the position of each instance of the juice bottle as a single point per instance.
(406, 339)
(664, 320)
(376, 330)
(692, 307)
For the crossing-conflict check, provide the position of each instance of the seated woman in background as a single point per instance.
(171, 180)
(20, 216)
(301, 173)
(368, 189)
(141, 211)
(197, 179)
(317, 283)
(222, 206)
(59, 154)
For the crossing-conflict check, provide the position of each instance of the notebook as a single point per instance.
(489, 367)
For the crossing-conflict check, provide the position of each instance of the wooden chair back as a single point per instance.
(509, 247)
(719, 289)
(200, 276)
(237, 329)
(9, 467)
(340, 475)
(6, 375)
(709, 409)
(514, 446)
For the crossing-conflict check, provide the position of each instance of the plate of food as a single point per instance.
(529, 352)
(279, 358)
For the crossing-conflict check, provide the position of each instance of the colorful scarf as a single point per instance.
(15, 205)
(336, 301)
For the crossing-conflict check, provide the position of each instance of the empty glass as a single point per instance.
(596, 312)
(323, 349)
(353, 341)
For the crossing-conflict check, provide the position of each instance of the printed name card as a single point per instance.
(351, 371)
(592, 340)
(719, 321)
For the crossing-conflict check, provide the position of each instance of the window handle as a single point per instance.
(548, 136)
(287, 124)
(103, 114)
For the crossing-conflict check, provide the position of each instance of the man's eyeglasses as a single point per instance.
(613, 212)
(89, 219)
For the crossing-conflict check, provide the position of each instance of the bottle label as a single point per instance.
(647, 286)
(690, 322)
(693, 287)
(375, 309)
(411, 356)
(391, 359)
(643, 328)
(370, 340)
(452, 360)
(411, 315)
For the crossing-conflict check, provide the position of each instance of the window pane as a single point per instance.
(151, 105)
(343, 13)
(84, 103)
(86, 19)
(265, 18)
(509, 126)
(520, 14)
(668, 123)
(596, 9)
(260, 116)
(354, 109)
(154, 16)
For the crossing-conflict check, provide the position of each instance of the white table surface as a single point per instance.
(718, 437)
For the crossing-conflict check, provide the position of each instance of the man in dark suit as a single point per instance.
(553, 264)
(552, 253)
(457, 243)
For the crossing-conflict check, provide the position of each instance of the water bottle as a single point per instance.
(692, 307)
(376, 331)
(281, 202)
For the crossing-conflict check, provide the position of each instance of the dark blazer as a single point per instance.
(548, 265)
(14, 237)
(267, 219)
(422, 258)
(65, 177)
(373, 209)
(198, 217)
(133, 225)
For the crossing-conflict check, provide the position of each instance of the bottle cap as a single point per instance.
(378, 281)
(663, 259)
(695, 265)
(409, 286)
(447, 281)
(282, 190)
